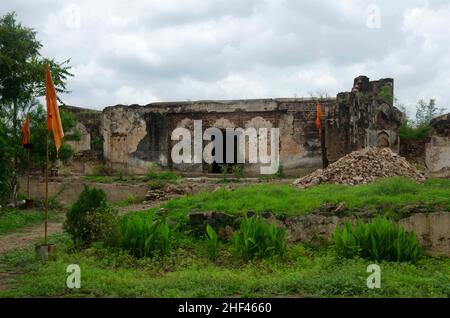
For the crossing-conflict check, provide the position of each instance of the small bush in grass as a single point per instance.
(212, 242)
(378, 240)
(152, 174)
(90, 219)
(257, 238)
(142, 236)
(155, 185)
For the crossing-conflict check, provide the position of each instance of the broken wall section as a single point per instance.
(437, 150)
(363, 118)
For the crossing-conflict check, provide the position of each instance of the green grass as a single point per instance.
(14, 219)
(188, 272)
(387, 195)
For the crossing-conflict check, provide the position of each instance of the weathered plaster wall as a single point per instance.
(437, 150)
(363, 117)
(134, 136)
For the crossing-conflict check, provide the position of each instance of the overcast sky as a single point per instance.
(126, 52)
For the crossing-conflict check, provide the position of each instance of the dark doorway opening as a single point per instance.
(216, 166)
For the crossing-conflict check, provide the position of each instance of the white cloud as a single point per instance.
(164, 50)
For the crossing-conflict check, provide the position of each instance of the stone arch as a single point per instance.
(383, 140)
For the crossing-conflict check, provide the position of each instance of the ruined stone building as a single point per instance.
(437, 149)
(128, 138)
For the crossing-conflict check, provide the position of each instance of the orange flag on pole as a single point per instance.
(26, 132)
(318, 116)
(53, 119)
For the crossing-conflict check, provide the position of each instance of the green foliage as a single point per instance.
(212, 242)
(386, 94)
(408, 131)
(152, 174)
(90, 219)
(142, 236)
(363, 98)
(285, 199)
(377, 240)
(224, 169)
(257, 238)
(425, 112)
(155, 185)
(280, 172)
(394, 186)
(13, 219)
(97, 143)
(6, 171)
(238, 170)
(38, 127)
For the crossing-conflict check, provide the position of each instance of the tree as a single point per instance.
(22, 80)
(39, 129)
(426, 112)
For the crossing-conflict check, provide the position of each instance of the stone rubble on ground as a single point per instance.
(167, 191)
(362, 166)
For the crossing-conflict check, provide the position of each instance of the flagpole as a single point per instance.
(28, 181)
(46, 186)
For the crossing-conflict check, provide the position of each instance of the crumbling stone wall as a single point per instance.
(88, 155)
(437, 150)
(362, 118)
(134, 136)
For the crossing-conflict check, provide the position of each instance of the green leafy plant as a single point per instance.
(280, 172)
(224, 172)
(144, 237)
(212, 242)
(408, 131)
(386, 95)
(377, 240)
(257, 238)
(153, 174)
(238, 171)
(154, 185)
(90, 218)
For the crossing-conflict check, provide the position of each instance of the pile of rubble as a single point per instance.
(167, 191)
(362, 166)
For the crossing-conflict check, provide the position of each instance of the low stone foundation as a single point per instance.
(432, 229)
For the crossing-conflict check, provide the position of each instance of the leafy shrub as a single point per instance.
(152, 174)
(212, 242)
(378, 240)
(224, 172)
(280, 172)
(90, 219)
(155, 185)
(409, 132)
(142, 236)
(257, 238)
(238, 170)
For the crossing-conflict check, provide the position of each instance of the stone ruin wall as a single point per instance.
(134, 136)
(437, 149)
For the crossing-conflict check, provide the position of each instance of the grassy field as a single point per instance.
(187, 272)
(387, 196)
(15, 219)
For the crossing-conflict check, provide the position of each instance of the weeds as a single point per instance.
(142, 236)
(378, 240)
(212, 242)
(257, 238)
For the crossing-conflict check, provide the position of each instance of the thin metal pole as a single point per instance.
(46, 186)
(28, 181)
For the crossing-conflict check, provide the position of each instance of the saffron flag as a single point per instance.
(26, 132)
(53, 118)
(318, 116)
